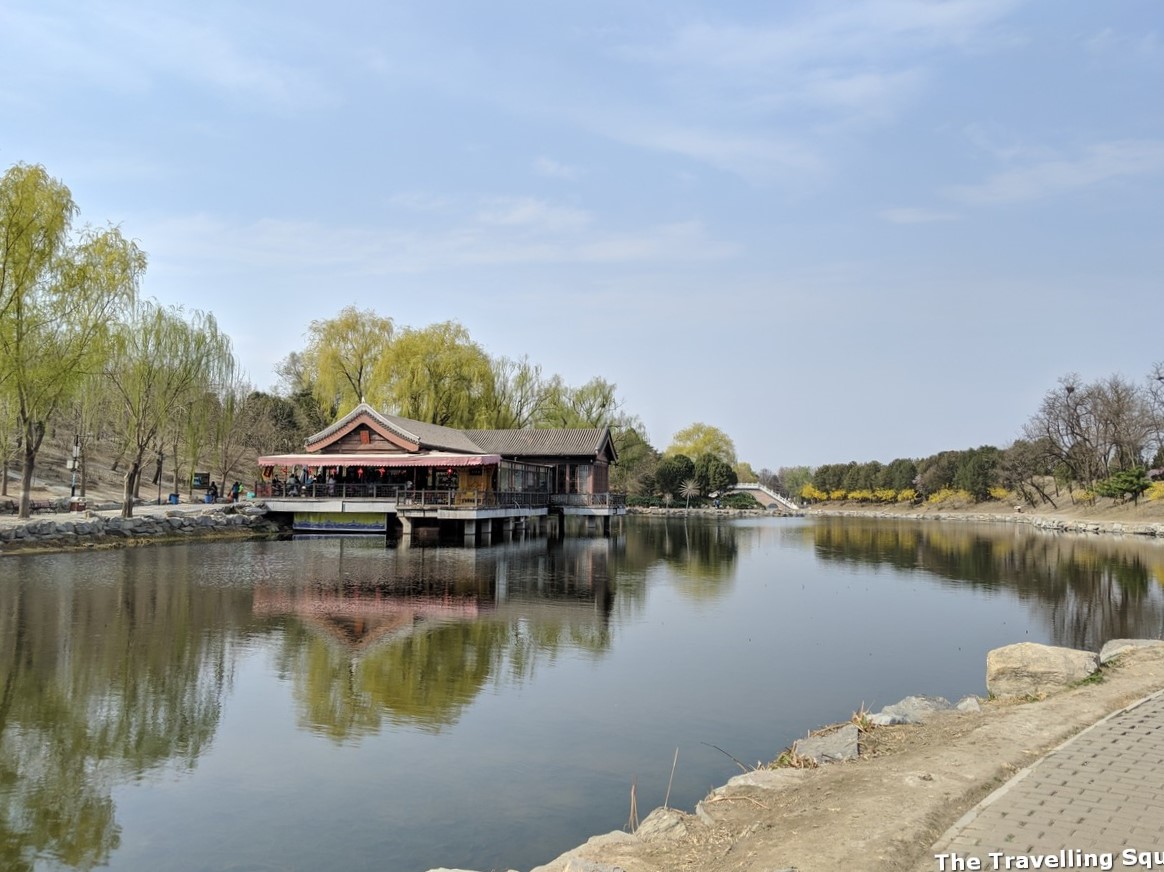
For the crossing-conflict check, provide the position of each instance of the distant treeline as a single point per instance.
(1086, 440)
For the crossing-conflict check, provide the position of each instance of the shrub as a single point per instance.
(885, 495)
(1083, 496)
(906, 495)
(838, 494)
(813, 494)
(997, 492)
(861, 496)
(1155, 491)
(950, 496)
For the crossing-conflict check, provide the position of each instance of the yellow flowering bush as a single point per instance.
(838, 494)
(906, 495)
(949, 495)
(885, 495)
(1084, 496)
(1001, 494)
(861, 496)
(813, 494)
(1155, 491)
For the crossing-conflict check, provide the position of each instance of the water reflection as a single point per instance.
(413, 638)
(1085, 589)
(100, 683)
(702, 555)
(117, 665)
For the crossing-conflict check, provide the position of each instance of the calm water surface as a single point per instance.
(329, 703)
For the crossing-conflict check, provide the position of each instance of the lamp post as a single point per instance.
(73, 462)
(161, 458)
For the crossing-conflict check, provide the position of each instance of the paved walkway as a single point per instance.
(1101, 793)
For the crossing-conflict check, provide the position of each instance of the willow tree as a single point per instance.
(59, 298)
(700, 439)
(519, 394)
(438, 375)
(594, 404)
(161, 361)
(343, 355)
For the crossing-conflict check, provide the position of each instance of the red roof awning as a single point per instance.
(389, 460)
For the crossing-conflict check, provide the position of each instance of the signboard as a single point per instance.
(202, 480)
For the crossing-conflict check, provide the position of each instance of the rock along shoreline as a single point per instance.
(880, 790)
(154, 525)
(1048, 523)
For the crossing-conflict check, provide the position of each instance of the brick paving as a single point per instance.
(1101, 794)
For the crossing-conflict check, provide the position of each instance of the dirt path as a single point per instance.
(882, 812)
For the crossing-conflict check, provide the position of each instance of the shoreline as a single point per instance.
(105, 529)
(1056, 523)
(884, 810)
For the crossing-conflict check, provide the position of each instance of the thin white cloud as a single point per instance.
(553, 169)
(1099, 163)
(510, 232)
(755, 156)
(532, 214)
(908, 215)
(1109, 43)
(131, 50)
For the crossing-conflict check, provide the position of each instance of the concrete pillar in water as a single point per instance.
(470, 533)
(606, 525)
(406, 533)
(486, 532)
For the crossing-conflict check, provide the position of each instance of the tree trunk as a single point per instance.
(33, 434)
(84, 473)
(4, 479)
(132, 478)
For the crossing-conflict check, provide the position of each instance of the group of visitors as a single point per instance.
(231, 496)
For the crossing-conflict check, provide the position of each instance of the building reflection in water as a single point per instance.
(417, 644)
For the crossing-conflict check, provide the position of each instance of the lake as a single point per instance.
(332, 703)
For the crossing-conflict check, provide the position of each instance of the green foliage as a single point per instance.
(788, 479)
(594, 404)
(343, 355)
(700, 439)
(1124, 484)
(58, 301)
(672, 472)
(438, 375)
(713, 474)
(975, 471)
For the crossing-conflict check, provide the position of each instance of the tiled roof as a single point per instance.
(361, 409)
(434, 435)
(541, 442)
(520, 443)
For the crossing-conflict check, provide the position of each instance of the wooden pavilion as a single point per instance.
(371, 472)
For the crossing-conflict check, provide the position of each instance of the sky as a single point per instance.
(836, 231)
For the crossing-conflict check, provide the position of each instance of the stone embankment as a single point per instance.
(98, 530)
(1040, 522)
(877, 792)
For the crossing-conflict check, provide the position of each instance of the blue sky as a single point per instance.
(837, 231)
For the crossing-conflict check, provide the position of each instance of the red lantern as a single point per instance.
(360, 472)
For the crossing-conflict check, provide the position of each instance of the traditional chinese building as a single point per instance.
(370, 472)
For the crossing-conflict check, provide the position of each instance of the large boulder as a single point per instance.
(1115, 647)
(831, 747)
(911, 710)
(1027, 669)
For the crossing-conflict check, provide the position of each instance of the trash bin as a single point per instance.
(208, 499)
(173, 499)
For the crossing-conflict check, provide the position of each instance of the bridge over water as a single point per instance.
(767, 497)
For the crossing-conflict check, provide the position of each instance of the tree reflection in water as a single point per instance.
(418, 650)
(1087, 589)
(99, 683)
